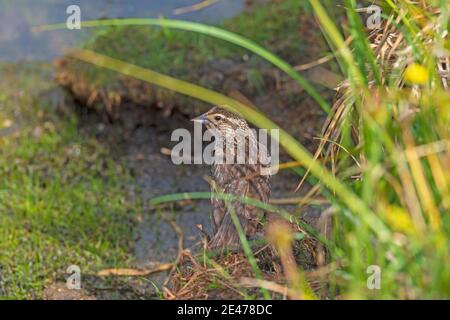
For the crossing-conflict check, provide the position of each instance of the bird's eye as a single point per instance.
(217, 118)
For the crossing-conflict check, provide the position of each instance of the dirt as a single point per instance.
(94, 287)
(59, 291)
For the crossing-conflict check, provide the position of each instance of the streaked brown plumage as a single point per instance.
(236, 179)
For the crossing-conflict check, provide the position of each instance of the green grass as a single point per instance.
(407, 189)
(58, 206)
(394, 217)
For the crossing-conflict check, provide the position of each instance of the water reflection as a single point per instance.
(17, 42)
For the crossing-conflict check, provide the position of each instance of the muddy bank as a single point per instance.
(203, 60)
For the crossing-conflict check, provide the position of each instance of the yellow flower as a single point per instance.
(416, 74)
(399, 219)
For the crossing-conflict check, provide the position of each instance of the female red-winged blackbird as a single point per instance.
(245, 176)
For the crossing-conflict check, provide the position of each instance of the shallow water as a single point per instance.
(18, 42)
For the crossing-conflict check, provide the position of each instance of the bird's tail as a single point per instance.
(226, 236)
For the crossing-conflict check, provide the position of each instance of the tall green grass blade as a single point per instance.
(364, 52)
(229, 197)
(334, 35)
(246, 247)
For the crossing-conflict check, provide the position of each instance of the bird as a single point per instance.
(246, 178)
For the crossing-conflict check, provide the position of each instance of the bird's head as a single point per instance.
(222, 120)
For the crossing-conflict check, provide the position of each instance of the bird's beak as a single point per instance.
(203, 119)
